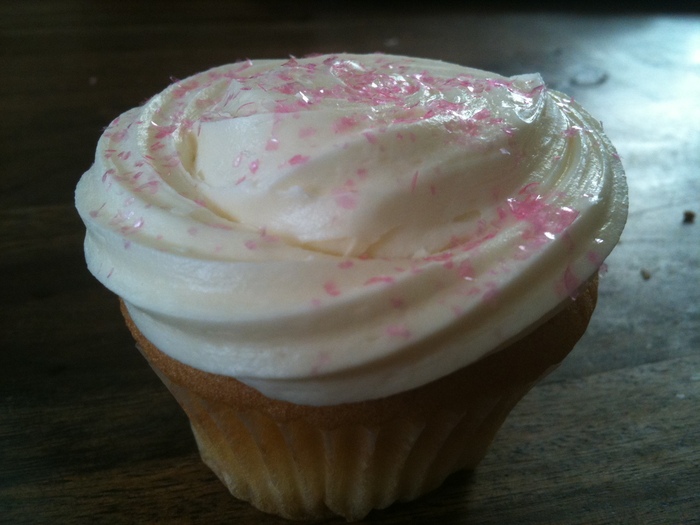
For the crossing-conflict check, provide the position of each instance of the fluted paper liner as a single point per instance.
(304, 462)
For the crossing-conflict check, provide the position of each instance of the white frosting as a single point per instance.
(341, 228)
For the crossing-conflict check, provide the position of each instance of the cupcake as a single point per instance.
(348, 269)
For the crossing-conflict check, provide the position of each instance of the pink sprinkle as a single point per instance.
(111, 271)
(465, 270)
(298, 159)
(414, 182)
(572, 131)
(322, 361)
(398, 303)
(254, 166)
(118, 136)
(346, 264)
(221, 226)
(528, 188)
(95, 213)
(347, 201)
(251, 244)
(149, 187)
(398, 330)
(569, 283)
(272, 145)
(107, 174)
(164, 131)
(380, 279)
(371, 137)
(305, 133)
(483, 114)
(124, 155)
(362, 173)
(439, 257)
(331, 288)
(344, 124)
(492, 293)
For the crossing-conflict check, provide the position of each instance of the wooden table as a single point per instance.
(89, 435)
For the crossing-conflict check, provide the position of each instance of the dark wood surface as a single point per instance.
(89, 435)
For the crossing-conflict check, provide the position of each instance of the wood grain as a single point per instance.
(88, 434)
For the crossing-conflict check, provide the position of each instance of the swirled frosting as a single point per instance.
(314, 227)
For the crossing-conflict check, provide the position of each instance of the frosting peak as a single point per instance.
(307, 225)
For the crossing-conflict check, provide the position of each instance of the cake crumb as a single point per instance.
(646, 274)
(688, 217)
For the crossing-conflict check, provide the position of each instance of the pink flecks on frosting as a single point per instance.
(465, 270)
(414, 182)
(331, 288)
(344, 265)
(380, 279)
(164, 131)
(370, 136)
(118, 136)
(150, 187)
(572, 131)
(95, 213)
(398, 303)
(398, 330)
(305, 133)
(546, 219)
(298, 159)
(594, 258)
(568, 285)
(254, 166)
(272, 145)
(491, 294)
(323, 359)
(346, 200)
(344, 124)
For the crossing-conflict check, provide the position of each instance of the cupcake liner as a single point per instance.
(298, 471)
(304, 462)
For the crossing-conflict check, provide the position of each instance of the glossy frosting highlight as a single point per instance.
(313, 227)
